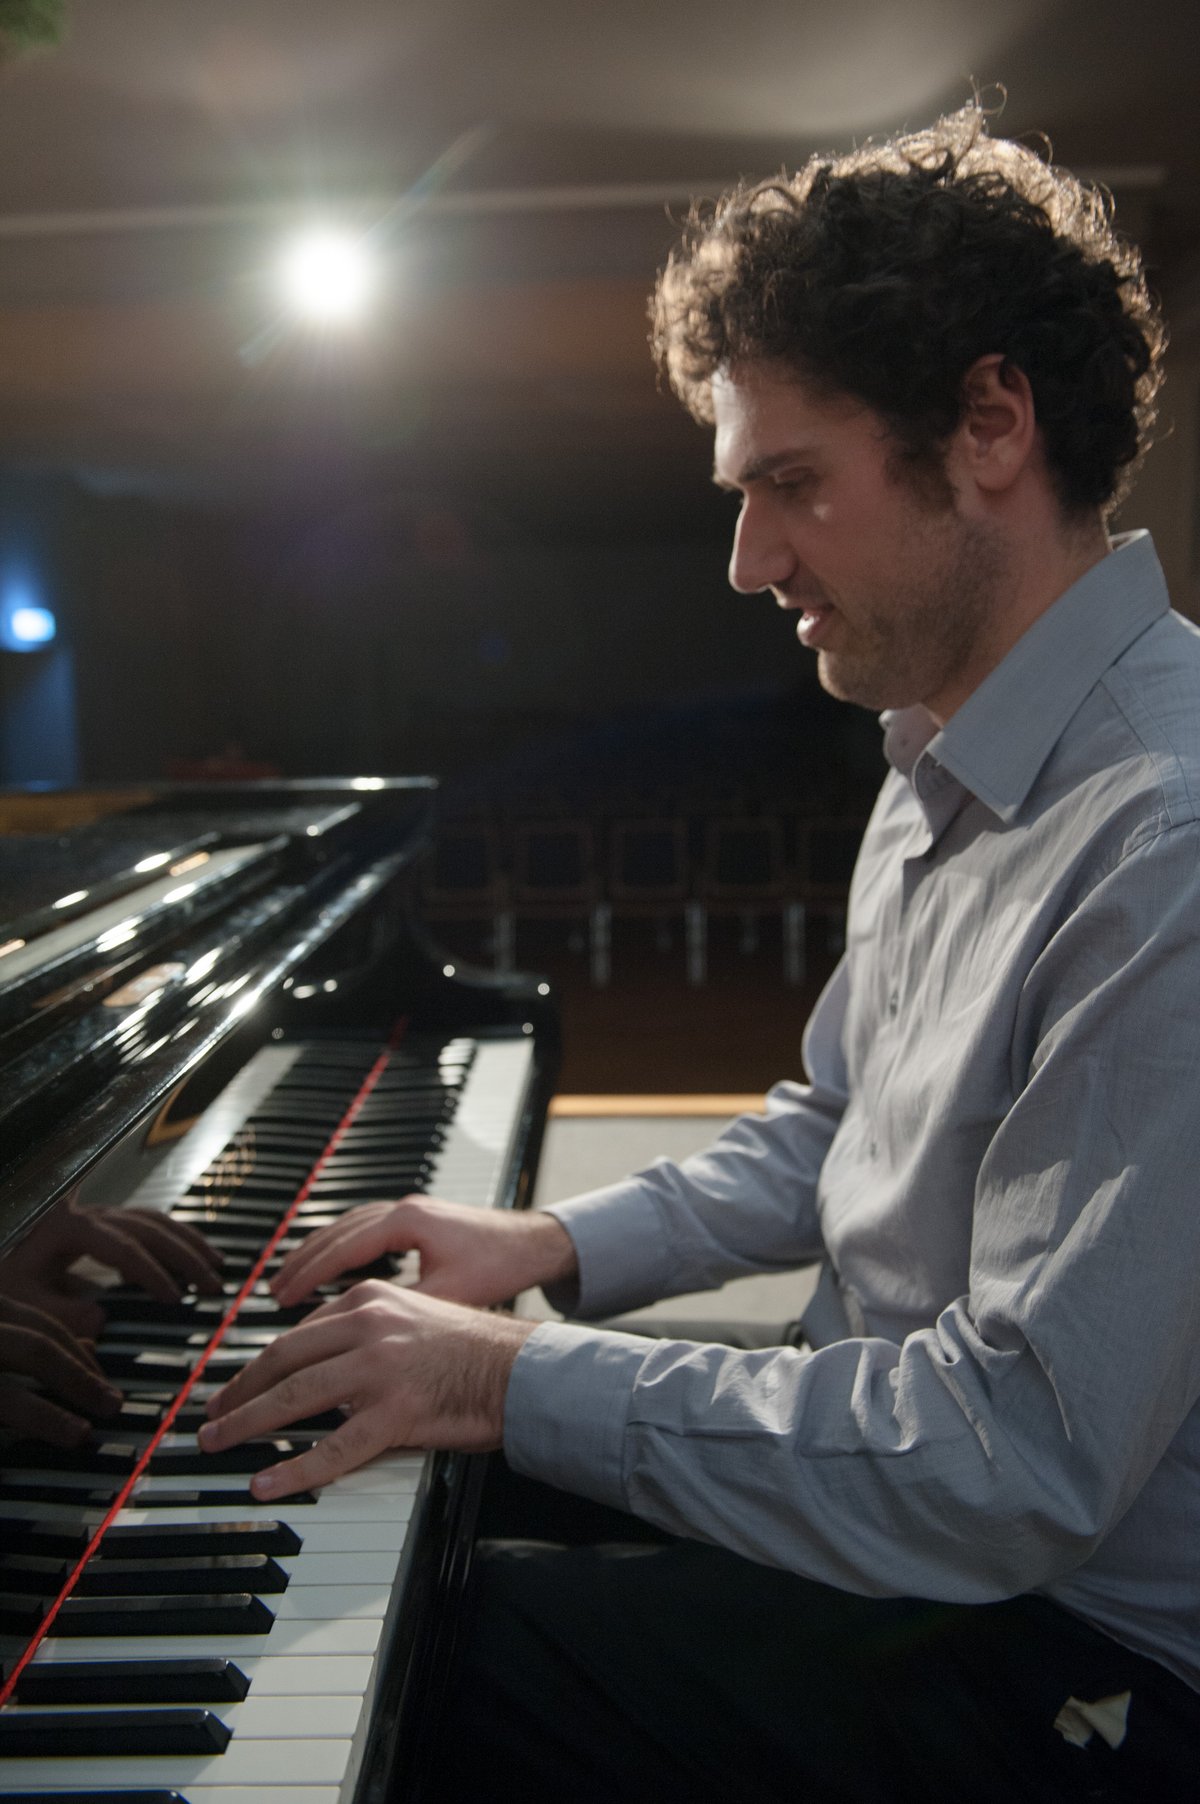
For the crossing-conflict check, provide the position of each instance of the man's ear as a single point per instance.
(997, 434)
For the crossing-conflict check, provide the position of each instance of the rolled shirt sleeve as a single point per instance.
(746, 1204)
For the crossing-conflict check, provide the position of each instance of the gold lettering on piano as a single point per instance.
(145, 985)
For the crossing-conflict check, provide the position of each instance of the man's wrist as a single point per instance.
(505, 1336)
(558, 1261)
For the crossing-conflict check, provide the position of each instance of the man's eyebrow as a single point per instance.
(763, 466)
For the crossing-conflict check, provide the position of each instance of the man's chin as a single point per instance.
(851, 681)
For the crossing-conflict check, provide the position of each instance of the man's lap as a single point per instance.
(661, 1669)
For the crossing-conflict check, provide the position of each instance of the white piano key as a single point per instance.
(266, 1794)
(323, 1715)
(326, 1603)
(311, 1761)
(281, 1675)
(473, 1162)
(344, 1567)
(332, 1505)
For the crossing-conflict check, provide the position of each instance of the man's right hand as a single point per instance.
(468, 1255)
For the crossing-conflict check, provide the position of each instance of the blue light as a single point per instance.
(33, 626)
(25, 625)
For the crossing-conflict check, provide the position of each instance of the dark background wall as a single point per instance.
(374, 634)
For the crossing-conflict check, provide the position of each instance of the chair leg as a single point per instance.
(793, 942)
(505, 939)
(696, 932)
(601, 924)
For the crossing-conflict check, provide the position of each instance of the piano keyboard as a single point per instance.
(239, 1696)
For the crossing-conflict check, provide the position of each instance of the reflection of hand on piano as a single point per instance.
(468, 1255)
(143, 1246)
(35, 1345)
(413, 1371)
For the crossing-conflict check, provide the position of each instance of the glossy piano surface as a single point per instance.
(210, 1647)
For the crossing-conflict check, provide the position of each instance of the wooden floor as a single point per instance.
(650, 1032)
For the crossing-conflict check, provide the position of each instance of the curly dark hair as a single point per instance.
(887, 272)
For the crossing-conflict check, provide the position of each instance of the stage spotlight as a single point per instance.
(26, 627)
(328, 276)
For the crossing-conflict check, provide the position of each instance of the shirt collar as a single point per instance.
(997, 742)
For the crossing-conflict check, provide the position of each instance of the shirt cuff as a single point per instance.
(566, 1408)
(623, 1251)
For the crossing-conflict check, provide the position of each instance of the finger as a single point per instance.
(322, 1386)
(16, 1314)
(26, 1414)
(364, 1236)
(147, 1249)
(78, 1315)
(310, 1343)
(58, 1369)
(358, 1440)
(189, 1246)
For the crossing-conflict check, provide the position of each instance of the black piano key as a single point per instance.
(238, 1613)
(32, 1575)
(95, 1733)
(151, 1368)
(25, 1534)
(137, 1415)
(19, 1615)
(146, 1499)
(115, 1458)
(239, 1224)
(210, 1575)
(212, 1681)
(188, 1540)
(248, 1456)
(19, 1490)
(155, 1368)
(124, 1796)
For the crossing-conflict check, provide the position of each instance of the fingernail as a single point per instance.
(207, 1435)
(264, 1484)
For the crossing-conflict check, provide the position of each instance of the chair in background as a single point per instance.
(743, 873)
(464, 880)
(825, 853)
(554, 878)
(648, 875)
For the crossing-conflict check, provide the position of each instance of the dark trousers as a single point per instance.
(606, 1663)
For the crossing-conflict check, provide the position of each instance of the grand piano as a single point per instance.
(223, 1004)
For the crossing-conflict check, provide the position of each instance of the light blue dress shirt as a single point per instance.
(998, 1158)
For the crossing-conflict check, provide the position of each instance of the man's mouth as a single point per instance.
(815, 617)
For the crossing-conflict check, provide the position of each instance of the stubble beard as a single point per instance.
(940, 608)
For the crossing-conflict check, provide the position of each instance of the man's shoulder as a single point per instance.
(1133, 748)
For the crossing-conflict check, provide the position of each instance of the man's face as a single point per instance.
(897, 592)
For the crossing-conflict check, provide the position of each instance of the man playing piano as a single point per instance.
(948, 1544)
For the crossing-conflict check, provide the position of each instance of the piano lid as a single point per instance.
(177, 918)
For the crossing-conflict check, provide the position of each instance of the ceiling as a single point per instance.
(518, 166)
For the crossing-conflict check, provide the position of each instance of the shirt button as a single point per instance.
(872, 1149)
(894, 1003)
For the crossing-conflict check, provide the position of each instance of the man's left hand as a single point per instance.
(410, 1369)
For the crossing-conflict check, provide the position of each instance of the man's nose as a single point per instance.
(762, 557)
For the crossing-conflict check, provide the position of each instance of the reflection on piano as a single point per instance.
(221, 1006)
